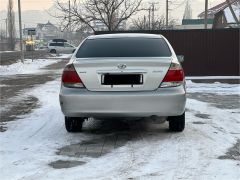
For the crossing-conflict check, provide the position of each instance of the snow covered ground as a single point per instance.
(62, 56)
(30, 144)
(216, 88)
(28, 67)
(212, 77)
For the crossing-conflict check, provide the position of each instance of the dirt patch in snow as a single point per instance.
(18, 108)
(15, 84)
(3, 127)
(219, 101)
(198, 122)
(203, 116)
(58, 65)
(14, 101)
(233, 152)
(60, 164)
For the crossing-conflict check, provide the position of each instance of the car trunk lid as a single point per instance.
(122, 74)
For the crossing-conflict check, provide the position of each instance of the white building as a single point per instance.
(47, 32)
(100, 26)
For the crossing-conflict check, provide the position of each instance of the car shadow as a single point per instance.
(105, 136)
(111, 134)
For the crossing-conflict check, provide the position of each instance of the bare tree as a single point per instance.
(2, 34)
(111, 13)
(143, 23)
(11, 26)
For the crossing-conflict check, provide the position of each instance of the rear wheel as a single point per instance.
(74, 124)
(53, 51)
(177, 123)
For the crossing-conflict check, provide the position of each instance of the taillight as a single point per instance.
(70, 77)
(174, 76)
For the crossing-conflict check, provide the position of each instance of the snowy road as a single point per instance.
(38, 147)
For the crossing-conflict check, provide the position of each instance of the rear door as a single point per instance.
(68, 48)
(60, 47)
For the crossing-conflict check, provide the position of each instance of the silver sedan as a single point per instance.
(123, 75)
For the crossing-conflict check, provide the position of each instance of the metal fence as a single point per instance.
(207, 52)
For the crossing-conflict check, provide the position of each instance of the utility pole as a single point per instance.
(206, 14)
(153, 14)
(153, 9)
(69, 21)
(144, 21)
(6, 27)
(149, 18)
(167, 14)
(20, 30)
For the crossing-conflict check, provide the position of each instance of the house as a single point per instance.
(100, 26)
(47, 32)
(222, 16)
(195, 24)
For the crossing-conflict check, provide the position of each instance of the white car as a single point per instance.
(60, 47)
(123, 75)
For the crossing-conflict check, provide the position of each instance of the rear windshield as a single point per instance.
(124, 47)
(56, 44)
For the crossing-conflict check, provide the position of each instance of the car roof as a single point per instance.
(125, 35)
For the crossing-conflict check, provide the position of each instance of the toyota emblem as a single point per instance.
(122, 66)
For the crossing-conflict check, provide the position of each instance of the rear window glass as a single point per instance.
(124, 47)
(56, 44)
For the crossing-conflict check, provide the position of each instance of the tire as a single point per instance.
(53, 51)
(73, 124)
(176, 123)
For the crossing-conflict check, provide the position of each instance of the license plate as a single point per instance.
(122, 79)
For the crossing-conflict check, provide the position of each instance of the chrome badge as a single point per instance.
(122, 66)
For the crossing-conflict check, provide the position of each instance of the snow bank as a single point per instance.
(211, 77)
(215, 88)
(28, 67)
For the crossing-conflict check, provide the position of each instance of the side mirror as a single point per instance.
(180, 58)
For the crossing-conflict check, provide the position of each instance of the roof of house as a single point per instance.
(195, 21)
(218, 8)
(40, 25)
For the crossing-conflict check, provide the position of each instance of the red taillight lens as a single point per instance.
(70, 77)
(174, 76)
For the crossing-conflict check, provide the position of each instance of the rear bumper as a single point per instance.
(161, 102)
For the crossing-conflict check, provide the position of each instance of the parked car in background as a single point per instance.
(123, 75)
(60, 47)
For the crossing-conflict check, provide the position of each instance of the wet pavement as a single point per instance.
(108, 136)
(14, 101)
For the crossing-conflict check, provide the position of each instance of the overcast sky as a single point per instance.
(197, 5)
(177, 7)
